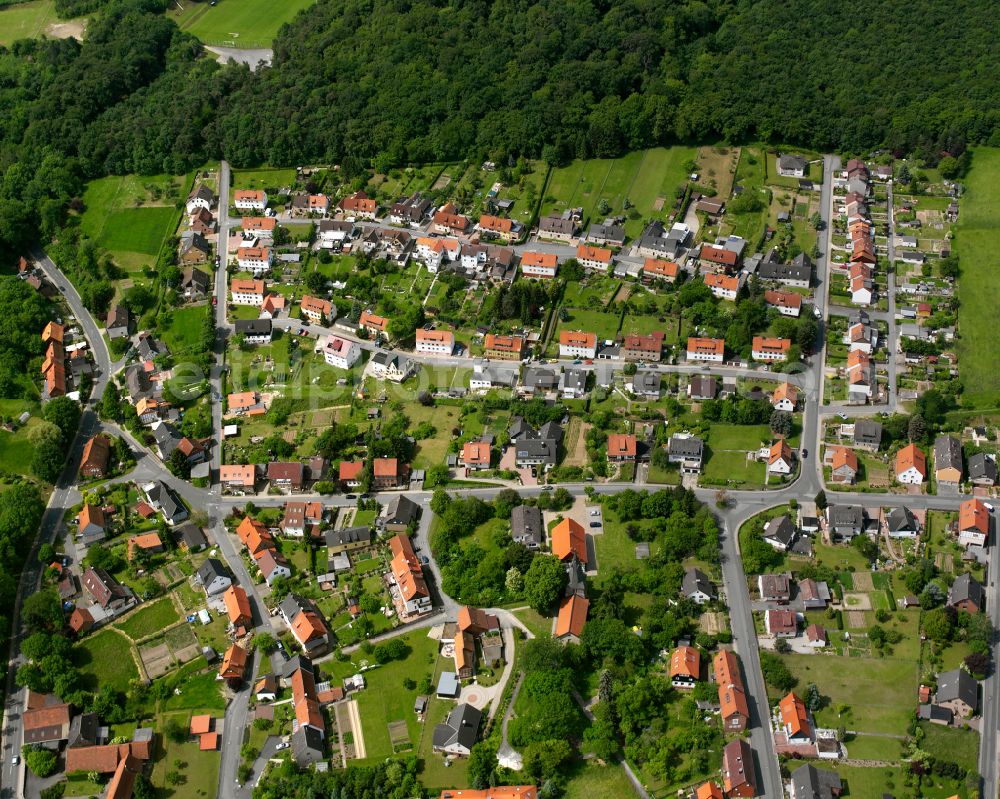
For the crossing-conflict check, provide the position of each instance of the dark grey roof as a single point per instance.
(646, 382)
(792, 162)
(542, 378)
(551, 431)
(291, 606)
(343, 226)
(809, 782)
(167, 438)
(966, 588)
(349, 535)
(685, 446)
(534, 449)
(607, 232)
(150, 347)
(769, 270)
(696, 581)
(191, 535)
(307, 745)
(119, 318)
(868, 432)
(194, 278)
(947, 453)
(170, 504)
(704, 386)
(83, 730)
(210, 570)
(526, 524)
(575, 379)
(655, 238)
(958, 684)
(137, 382)
(901, 518)
(401, 510)
(852, 516)
(982, 468)
(462, 727)
(934, 713)
(519, 428)
(297, 663)
(202, 192)
(557, 224)
(253, 327)
(780, 529)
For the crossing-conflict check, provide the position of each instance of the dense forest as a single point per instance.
(384, 82)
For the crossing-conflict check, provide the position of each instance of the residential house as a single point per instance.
(289, 476)
(643, 348)
(190, 537)
(476, 455)
(539, 264)
(498, 227)
(436, 342)
(308, 204)
(621, 448)
(594, 257)
(645, 384)
(411, 211)
(238, 610)
(723, 286)
(657, 242)
(843, 465)
(702, 387)
(194, 283)
(357, 206)
(201, 196)
(350, 473)
(348, 539)
(119, 322)
(573, 384)
(577, 344)
(780, 533)
(788, 303)
(144, 542)
(164, 499)
(973, 523)
(982, 469)
(795, 719)
(867, 435)
(213, 577)
(202, 222)
(687, 450)
(335, 233)
(860, 376)
(254, 331)
(305, 623)
(733, 705)
(256, 260)
(572, 618)
(247, 292)
(526, 526)
(809, 782)
(399, 514)
(234, 664)
(901, 523)
(717, 258)
(861, 333)
(448, 221)
(775, 588)
(258, 227)
(697, 587)
(105, 590)
(911, 465)
(770, 349)
(459, 732)
(779, 458)
(386, 365)
(792, 166)
(845, 521)
(816, 636)
(300, 517)
(387, 473)
(46, 722)
(560, 228)
(655, 269)
(238, 478)
(91, 524)
(192, 248)
(504, 348)
(604, 233)
(948, 460)
(339, 352)
(706, 349)
(967, 594)
(785, 397)
(249, 200)
(245, 403)
(372, 324)
(738, 774)
(409, 576)
(813, 594)
(96, 457)
(958, 691)
(797, 274)
(568, 540)
(272, 565)
(316, 309)
(685, 667)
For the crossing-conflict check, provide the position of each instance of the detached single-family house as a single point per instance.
(685, 667)
(792, 166)
(973, 523)
(213, 577)
(982, 470)
(706, 349)
(779, 458)
(697, 587)
(621, 447)
(526, 526)
(780, 533)
(901, 523)
(911, 465)
(958, 691)
(459, 733)
(967, 594)
(844, 465)
(948, 460)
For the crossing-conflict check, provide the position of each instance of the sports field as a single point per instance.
(979, 284)
(26, 20)
(248, 24)
(648, 179)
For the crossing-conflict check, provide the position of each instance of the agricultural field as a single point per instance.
(975, 244)
(131, 216)
(249, 24)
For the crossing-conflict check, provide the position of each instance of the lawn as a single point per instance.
(200, 772)
(867, 783)
(149, 619)
(723, 467)
(268, 179)
(614, 548)
(435, 775)
(184, 330)
(139, 230)
(591, 781)
(879, 693)
(947, 743)
(738, 437)
(534, 621)
(385, 699)
(201, 692)
(975, 244)
(238, 23)
(16, 451)
(105, 659)
(26, 21)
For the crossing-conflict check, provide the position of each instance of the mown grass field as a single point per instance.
(26, 20)
(105, 659)
(236, 23)
(16, 451)
(975, 244)
(149, 619)
(642, 178)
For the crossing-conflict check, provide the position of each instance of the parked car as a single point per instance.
(282, 745)
(351, 496)
(595, 524)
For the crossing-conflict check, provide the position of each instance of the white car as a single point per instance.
(595, 513)
(282, 745)
(988, 506)
(16, 759)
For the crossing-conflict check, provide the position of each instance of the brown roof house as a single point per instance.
(46, 724)
(96, 455)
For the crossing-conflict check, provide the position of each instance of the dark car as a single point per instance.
(805, 454)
